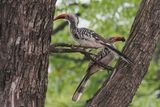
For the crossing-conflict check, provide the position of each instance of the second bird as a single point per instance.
(105, 56)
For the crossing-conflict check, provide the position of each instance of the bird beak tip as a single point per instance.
(61, 16)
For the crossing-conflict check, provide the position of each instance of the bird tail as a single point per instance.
(124, 57)
(80, 89)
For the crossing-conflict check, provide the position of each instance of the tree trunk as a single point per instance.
(25, 28)
(119, 90)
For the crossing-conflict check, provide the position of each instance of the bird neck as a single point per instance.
(72, 23)
(73, 26)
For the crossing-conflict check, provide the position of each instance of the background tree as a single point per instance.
(106, 18)
(119, 90)
(25, 30)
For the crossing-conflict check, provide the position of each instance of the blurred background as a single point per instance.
(107, 18)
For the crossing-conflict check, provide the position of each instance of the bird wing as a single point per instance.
(90, 34)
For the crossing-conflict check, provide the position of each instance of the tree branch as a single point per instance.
(68, 48)
(71, 46)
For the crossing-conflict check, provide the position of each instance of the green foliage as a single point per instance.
(106, 17)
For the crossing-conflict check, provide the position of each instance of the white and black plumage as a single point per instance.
(105, 56)
(87, 37)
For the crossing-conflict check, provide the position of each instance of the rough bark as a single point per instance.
(25, 29)
(119, 90)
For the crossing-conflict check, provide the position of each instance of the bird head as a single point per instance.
(116, 39)
(71, 18)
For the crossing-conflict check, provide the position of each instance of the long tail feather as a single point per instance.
(80, 89)
(124, 57)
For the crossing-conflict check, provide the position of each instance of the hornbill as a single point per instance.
(105, 56)
(88, 38)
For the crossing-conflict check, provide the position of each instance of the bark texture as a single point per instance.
(25, 28)
(119, 90)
